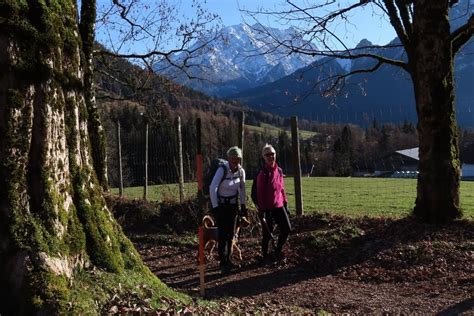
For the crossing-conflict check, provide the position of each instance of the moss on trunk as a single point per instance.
(59, 243)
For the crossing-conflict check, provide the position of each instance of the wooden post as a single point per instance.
(241, 131)
(202, 283)
(119, 158)
(180, 160)
(296, 165)
(199, 170)
(199, 160)
(145, 187)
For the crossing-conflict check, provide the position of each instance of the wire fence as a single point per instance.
(385, 185)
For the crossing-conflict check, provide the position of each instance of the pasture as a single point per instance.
(353, 197)
(274, 131)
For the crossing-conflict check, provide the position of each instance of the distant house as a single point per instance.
(410, 158)
(406, 162)
(400, 160)
(467, 171)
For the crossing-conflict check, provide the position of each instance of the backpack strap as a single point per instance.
(240, 174)
(224, 167)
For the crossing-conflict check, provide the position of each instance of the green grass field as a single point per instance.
(345, 196)
(273, 130)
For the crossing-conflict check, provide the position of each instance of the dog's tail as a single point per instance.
(208, 221)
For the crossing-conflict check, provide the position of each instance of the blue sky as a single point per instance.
(365, 23)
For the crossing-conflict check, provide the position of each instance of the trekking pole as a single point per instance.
(235, 234)
(263, 222)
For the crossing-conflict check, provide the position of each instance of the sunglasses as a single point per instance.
(269, 154)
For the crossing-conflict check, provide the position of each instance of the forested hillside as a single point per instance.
(132, 96)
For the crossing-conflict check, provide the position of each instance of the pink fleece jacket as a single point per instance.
(270, 188)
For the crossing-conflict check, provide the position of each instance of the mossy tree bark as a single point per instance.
(433, 79)
(95, 129)
(53, 219)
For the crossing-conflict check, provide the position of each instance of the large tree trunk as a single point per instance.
(53, 218)
(432, 72)
(95, 129)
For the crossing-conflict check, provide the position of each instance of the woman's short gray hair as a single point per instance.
(234, 151)
(268, 149)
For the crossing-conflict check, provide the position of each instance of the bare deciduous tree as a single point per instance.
(430, 45)
(146, 33)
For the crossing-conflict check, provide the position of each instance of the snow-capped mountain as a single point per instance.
(386, 94)
(241, 68)
(244, 58)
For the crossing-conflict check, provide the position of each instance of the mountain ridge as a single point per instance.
(385, 95)
(225, 66)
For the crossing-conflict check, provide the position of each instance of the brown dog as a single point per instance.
(211, 236)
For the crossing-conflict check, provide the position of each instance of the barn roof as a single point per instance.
(411, 152)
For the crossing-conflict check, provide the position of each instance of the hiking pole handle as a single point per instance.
(263, 222)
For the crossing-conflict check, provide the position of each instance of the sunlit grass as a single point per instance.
(274, 131)
(345, 196)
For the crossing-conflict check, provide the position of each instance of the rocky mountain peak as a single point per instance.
(245, 57)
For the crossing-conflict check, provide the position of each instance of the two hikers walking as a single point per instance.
(227, 192)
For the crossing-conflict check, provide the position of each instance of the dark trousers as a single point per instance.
(226, 216)
(280, 217)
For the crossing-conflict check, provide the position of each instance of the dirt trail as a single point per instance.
(337, 265)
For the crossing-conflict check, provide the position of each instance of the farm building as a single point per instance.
(467, 171)
(404, 164)
(400, 160)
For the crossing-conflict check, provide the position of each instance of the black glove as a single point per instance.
(214, 211)
(243, 210)
(285, 207)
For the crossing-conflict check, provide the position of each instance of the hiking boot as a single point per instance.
(279, 256)
(264, 259)
(225, 268)
(233, 265)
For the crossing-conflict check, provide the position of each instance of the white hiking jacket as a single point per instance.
(229, 185)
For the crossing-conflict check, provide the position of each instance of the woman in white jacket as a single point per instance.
(226, 190)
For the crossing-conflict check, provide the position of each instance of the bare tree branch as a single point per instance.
(335, 82)
(406, 16)
(124, 11)
(152, 32)
(318, 32)
(397, 24)
(423, 29)
(460, 36)
(343, 54)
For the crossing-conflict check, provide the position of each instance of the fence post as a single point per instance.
(180, 160)
(199, 169)
(145, 187)
(202, 282)
(241, 131)
(199, 161)
(119, 158)
(296, 165)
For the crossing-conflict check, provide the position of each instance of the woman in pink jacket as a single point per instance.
(272, 203)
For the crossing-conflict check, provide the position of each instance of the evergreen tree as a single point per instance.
(343, 154)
